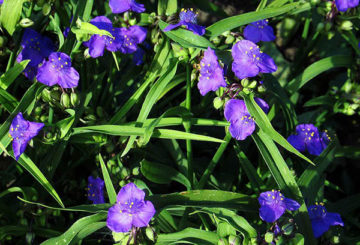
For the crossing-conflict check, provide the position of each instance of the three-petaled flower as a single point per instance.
(95, 190)
(130, 210)
(58, 70)
(211, 74)
(344, 5)
(307, 137)
(130, 38)
(22, 131)
(36, 48)
(98, 43)
(249, 61)
(259, 31)
(188, 18)
(273, 205)
(121, 6)
(241, 123)
(321, 220)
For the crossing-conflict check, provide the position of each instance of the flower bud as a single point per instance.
(234, 240)
(45, 95)
(288, 229)
(230, 39)
(335, 240)
(245, 83)
(26, 22)
(132, 22)
(224, 229)
(218, 103)
(136, 171)
(180, 52)
(100, 111)
(222, 242)
(55, 95)
(150, 234)
(46, 9)
(246, 90)
(320, 27)
(216, 40)
(110, 147)
(74, 99)
(3, 41)
(124, 173)
(269, 237)
(122, 183)
(40, 3)
(152, 18)
(65, 100)
(252, 84)
(43, 118)
(346, 25)
(261, 89)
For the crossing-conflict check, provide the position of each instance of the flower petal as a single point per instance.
(47, 74)
(117, 220)
(242, 128)
(136, 7)
(96, 46)
(119, 6)
(267, 34)
(171, 27)
(243, 67)
(297, 142)
(314, 146)
(144, 215)
(263, 105)
(19, 147)
(319, 227)
(234, 109)
(196, 29)
(130, 192)
(266, 64)
(68, 78)
(334, 219)
(291, 204)
(271, 213)
(34, 128)
(252, 33)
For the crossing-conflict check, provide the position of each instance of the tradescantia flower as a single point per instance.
(95, 190)
(129, 38)
(241, 123)
(273, 205)
(36, 48)
(188, 18)
(249, 61)
(98, 43)
(259, 31)
(307, 137)
(130, 210)
(22, 131)
(344, 5)
(211, 74)
(121, 6)
(58, 70)
(321, 220)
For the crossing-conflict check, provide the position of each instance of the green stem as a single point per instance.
(187, 125)
(51, 115)
(214, 161)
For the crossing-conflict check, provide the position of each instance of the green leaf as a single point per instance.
(284, 179)
(317, 68)
(9, 77)
(8, 101)
(10, 14)
(67, 237)
(206, 198)
(66, 124)
(239, 20)
(189, 235)
(263, 122)
(162, 174)
(186, 38)
(108, 183)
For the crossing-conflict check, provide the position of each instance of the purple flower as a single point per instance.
(273, 205)
(307, 137)
(277, 230)
(211, 74)
(321, 220)
(129, 38)
(188, 18)
(344, 5)
(249, 61)
(36, 48)
(259, 31)
(22, 131)
(58, 70)
(95, 190)
(241, 123)
(98, 43)
(130, 210)
(139, 56)
(121, 6)
(1, 1)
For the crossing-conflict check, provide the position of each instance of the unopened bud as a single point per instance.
(3, 41)
(74, 99)
(26, 22)
(46, 9)
(230, 39)
(45, 95)
(40, 3)
(136, 171)
(252, 84)
(65, 100)
(132, 22)
(269, 237)
(150, 234)
(234, 240)
(261, 89)
(216, 40)
(245, 83)
(218, 103)
(346, 25)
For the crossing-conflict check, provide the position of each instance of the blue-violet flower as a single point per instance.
(95, 190)
(344, 5)
(211, 74)
(130, 210)
(58, 70)
(22, 131)
(121, 6)
(249, 61)
(307, 137)
(273, 205)
(130, 38)
(188, 18)
(36, 48)
(259, 31)
(321, 220)
(98, 43)
(242, 124)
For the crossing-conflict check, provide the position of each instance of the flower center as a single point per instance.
(129, 41)
(59, 63)
(254, 54)
(33, 43)
(188, 15)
